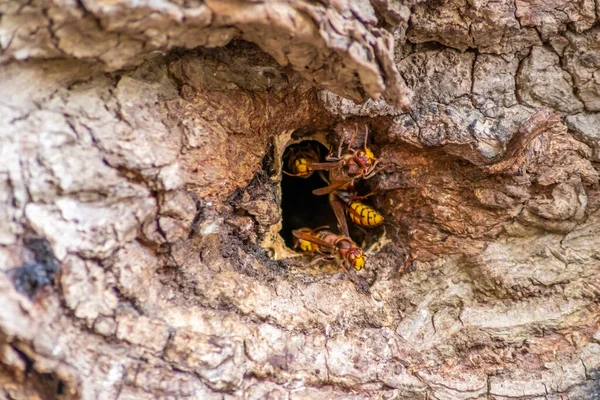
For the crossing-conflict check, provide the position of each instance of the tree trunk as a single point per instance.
(141, 154)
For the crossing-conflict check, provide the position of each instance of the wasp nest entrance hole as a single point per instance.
(301, 208)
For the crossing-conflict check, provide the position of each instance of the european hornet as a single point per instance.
(301, 161)
(345, 168)
(346, 202)
(330, 246)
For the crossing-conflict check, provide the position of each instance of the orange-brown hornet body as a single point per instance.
(331, 246)
(345, 202)
(301, 160)
(345, 168)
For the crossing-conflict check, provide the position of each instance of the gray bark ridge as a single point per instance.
(339, 48)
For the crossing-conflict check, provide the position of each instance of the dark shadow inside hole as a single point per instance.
(300, 208)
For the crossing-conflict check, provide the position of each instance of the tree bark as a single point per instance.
(140, 186)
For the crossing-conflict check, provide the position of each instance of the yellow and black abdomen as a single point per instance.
(364, 215)
(306, 246)
(300, 167)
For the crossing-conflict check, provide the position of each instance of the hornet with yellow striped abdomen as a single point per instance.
(359, 213)
(345, 202)
(344, 169)
(330, 246)
(301, 160)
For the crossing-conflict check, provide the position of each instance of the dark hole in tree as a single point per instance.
(300, 208)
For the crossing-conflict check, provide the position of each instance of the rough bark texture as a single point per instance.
(139, 174)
